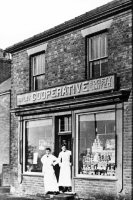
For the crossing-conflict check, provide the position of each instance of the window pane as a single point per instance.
(86, 138)
(94, 43)
(38, 136)
(62, 124)
(91, 52)
(96, 144)
(103, 50)
(69, 123)
(95, 48)
(95, 69)
(106, 128)
(104, 67)
(39, 82)
(34, 66)
(40, 64)
(65, 124)
(98, 47)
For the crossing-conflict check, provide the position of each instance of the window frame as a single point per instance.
(118, 109)
(31, 73)
(60, 132)
(87, 53)
(24, 143)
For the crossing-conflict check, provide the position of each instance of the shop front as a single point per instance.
(86, 116)
(43, 132)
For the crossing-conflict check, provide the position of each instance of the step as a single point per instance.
(64, 196)
(58, 197)
(4, 189)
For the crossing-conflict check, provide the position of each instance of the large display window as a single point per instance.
(38, 135)
(96, 140)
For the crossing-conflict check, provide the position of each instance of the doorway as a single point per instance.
(63, 135)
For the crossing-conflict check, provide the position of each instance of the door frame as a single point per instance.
(73, 128)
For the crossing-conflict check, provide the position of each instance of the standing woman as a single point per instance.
(65, 169)
(50, 181)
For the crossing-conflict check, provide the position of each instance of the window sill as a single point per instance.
(33, 174)
(96, 177)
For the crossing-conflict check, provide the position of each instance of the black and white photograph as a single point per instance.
(66, 100)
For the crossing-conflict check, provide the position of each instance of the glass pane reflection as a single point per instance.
(38, 136)
(97, 141)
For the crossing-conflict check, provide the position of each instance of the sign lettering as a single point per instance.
(75, 89)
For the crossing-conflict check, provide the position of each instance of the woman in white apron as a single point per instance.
(65, 169)
(50, 181)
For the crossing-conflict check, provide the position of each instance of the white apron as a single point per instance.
(65, 168)
(50, 181)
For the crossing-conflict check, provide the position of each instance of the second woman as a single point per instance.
(65, 170)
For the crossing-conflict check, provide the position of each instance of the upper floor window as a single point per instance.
(97, 55)
(38, 71)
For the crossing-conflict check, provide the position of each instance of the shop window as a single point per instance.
(65, 124)
(97, 144)
(38, 136)
(38, 71)
(97, 56)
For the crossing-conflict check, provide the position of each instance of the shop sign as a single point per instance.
(71, 90)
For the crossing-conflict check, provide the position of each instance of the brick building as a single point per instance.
(73, 84)
(5, 87)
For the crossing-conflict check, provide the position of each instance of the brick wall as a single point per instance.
(5, 69)
(65, 63)
(120, 49)
(5, 74)
(128, 147)
(86, 188)
(19, 75)
(37, 182)
(121, 63)
(4, 129)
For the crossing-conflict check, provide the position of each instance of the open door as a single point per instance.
(63, 135)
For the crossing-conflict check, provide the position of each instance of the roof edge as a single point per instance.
(102, 12)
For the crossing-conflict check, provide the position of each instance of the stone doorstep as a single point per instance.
(58, 197)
